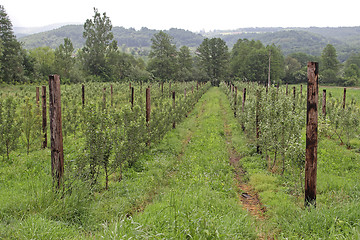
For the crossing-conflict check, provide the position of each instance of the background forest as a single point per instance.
(129, 54)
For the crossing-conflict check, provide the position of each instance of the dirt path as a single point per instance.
(247, 195)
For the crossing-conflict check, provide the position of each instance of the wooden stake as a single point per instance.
(132, 97)
(311, 134)
(83, 95)
(148, 105)
(37, 96)
(269, 82)
(44, 127)
(344, 99)
(173, 97)
(324, 103)
(57, 152)
(243, 106)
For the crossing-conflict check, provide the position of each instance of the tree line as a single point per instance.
(101, 59)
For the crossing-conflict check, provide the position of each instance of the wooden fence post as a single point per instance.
(132, 97)
(104, 98)
(344, 99)
(44, 128)
(57, 152)
(37, 96)
(243, 106)
(311, 134)
(324, 103)
(235, 101)
(173, 97)
(148, 105)
(83, 95)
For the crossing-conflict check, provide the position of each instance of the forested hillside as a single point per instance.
(308, 40)
(128, 37)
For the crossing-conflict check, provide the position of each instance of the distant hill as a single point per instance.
(129, 37)
(309, 40)
(25, 31)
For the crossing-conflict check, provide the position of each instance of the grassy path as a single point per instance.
(201, 200)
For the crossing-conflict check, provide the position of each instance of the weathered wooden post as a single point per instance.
(243, 107)
(344, 99)
(148, 112)
(132, 98)
(83, 95)
(235, 101)
(37, 96)
(294, 95)
(44, 128)
(169, 89)
(148, 105)
(57, 152)
(311, 134)
(104, 98)
(324, 103)
(173, 97)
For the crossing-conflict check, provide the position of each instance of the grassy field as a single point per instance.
(183, 188)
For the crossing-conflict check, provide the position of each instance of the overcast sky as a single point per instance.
(194, 15)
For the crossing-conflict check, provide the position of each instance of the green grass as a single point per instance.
(200, 201)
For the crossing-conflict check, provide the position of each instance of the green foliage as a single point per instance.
(214, 58)
(9, 128)
(329, 65)
(163, 62)
(64, 60)
(31, 124)
(250, 61)
(11, 69)
(44, 58)
(99, 43)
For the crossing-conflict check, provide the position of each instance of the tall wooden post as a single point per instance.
(243, 106)
(173, 97)
(324, 103)
(83, 95)
(132, 98)
(148, 105)
(44, 127)
(148, 112)
(57, 152)
(235, 101)
(344, 99)
(37, 96)
(311, 134)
